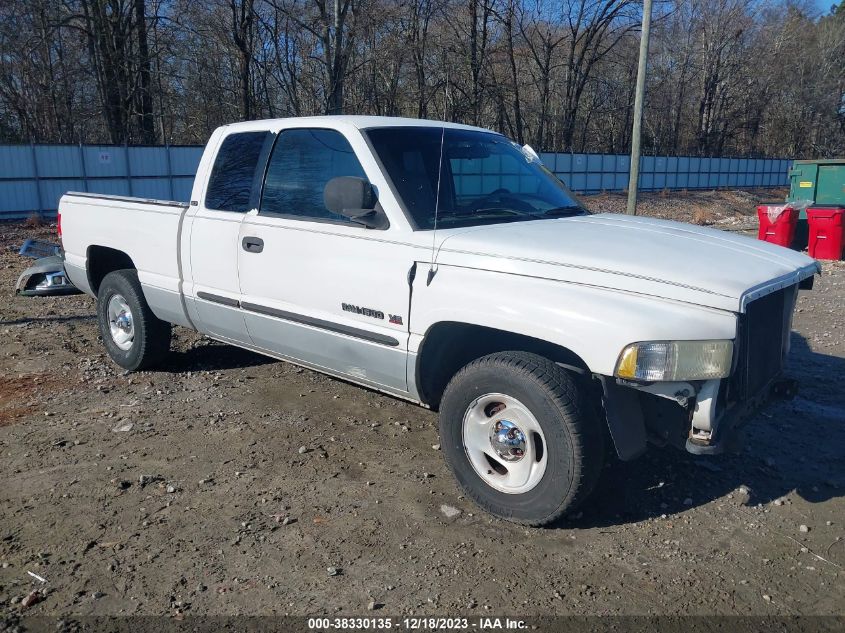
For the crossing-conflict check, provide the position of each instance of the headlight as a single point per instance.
(675, 360)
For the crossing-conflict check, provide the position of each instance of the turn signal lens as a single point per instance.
(675, 360)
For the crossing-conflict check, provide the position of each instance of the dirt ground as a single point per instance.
(188, 490)
(732, 210)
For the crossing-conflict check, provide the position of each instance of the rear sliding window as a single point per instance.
(230, 187)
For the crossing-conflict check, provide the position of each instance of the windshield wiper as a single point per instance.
(562, 212)
(480, 213)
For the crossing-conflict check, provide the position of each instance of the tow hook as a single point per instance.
(786, 388)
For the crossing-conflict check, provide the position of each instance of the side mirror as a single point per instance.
(354, 198)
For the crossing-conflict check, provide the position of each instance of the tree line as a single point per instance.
(726, 77)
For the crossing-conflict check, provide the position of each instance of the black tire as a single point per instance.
(573, 436)
(151, 341)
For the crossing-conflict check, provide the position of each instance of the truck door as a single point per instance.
(214, 234)
(317, 288)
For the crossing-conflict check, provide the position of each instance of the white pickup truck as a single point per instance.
(444, 264)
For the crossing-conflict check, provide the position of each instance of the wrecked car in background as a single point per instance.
(46, 277)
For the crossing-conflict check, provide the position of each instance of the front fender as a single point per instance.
(594, 323)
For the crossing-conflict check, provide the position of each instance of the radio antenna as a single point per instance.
(431, 269)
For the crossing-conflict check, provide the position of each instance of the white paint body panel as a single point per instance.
(147, 232)
(594, 323)
(210, 255)
(659, 258)
(312, 269)
(592, 284)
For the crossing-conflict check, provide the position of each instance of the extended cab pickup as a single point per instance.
(444, 264)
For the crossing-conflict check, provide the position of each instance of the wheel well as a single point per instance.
(103, 260)
(448, 346)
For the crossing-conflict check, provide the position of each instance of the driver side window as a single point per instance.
(302, 162)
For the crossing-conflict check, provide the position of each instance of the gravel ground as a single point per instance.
(229, 483)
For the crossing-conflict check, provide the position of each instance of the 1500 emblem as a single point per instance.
(376, 314)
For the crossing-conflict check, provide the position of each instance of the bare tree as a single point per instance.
(595, 28)
(557, 73)
(108, 26)
(145, 98)
(416, 22)
(243, 34)
(543, 35)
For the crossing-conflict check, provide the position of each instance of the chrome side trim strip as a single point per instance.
(226, 301)
(366, 335)
(105, 196)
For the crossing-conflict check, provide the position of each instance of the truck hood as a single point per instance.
(671, 260)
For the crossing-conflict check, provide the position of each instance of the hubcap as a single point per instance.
(504, 443)
(508, 440)
(121, 325)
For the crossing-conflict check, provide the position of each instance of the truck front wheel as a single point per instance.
(520, 438)
(134, 337)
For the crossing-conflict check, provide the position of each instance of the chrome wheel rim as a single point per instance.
(504, 443)
(121, 325)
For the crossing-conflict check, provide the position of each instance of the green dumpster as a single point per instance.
(819, 181)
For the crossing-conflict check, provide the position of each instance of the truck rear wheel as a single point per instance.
(134, 337)
(520, 438)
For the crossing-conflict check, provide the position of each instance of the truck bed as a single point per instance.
(148, 231)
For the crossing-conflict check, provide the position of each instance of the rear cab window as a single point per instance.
(235, 181)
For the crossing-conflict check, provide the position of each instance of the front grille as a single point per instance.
(763, 329)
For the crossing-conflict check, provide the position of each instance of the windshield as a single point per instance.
(485, 177)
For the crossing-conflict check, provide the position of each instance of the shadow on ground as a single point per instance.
(212, 356)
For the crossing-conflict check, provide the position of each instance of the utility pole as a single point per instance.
(638, 110)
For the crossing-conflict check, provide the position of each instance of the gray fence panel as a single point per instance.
(621, 181)
(18, 194)
(17, 161)
(579, 182)
(185, 160)
(34, 177)
(111, 187)
(148, 161)
(103, 161)
(154, 188)
(623, 164)
(579, 162)
(733, 180)
(52, 190)
(182, 188)
(58, 161)
(671, 172)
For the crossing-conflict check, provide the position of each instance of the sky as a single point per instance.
(824, 5)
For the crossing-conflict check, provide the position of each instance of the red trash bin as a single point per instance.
(777, 223)
(827, 232)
